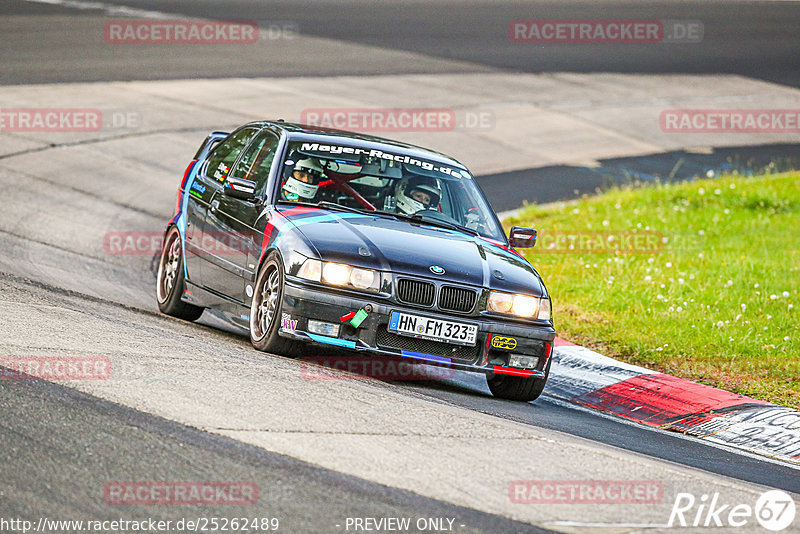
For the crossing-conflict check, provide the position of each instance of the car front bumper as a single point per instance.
(302, 303)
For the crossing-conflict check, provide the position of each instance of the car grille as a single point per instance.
(415, 292)
(389, 340)
(456, 299)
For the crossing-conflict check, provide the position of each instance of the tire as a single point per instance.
(265, 310)
(170, 280)
(518, 388)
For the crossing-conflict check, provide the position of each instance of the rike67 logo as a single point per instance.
(774, 510)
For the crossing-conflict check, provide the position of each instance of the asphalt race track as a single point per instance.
(195, 402)
(749, 39)
(309, 498)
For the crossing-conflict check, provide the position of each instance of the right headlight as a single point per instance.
(519, 305)
(340, 274)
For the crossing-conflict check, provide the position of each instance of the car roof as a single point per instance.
(305, 132)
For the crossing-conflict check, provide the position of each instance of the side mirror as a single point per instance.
(522, 237)
(240, 188)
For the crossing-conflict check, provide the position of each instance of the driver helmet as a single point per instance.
(304, 181)
(417, 194)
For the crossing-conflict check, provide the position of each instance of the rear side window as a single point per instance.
(223, 156)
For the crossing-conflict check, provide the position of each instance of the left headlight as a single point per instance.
(340, 274)
(519, 305)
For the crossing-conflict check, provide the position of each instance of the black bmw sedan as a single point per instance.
(306, 235)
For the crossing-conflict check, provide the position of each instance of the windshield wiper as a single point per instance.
(417, 218)
(334, 205)
(445, 224)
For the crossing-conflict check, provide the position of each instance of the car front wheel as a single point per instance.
(265, 310)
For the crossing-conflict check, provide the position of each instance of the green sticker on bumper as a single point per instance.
(359, 318)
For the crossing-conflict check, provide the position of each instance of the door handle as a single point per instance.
(214, 205)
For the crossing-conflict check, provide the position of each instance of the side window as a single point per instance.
(257, 160)
(223, 156)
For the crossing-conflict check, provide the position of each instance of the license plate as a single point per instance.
(429, 328)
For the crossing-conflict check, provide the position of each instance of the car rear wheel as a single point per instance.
(265, 310)
(519, 388)
(170, 281)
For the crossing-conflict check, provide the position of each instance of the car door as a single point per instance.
(230, 224)
(209, 180)
(198, 198)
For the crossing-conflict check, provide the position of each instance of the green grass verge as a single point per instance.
(698, 279)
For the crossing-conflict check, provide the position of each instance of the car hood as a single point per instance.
(403, 247)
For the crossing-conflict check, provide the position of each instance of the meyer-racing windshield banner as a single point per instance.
(374, 153)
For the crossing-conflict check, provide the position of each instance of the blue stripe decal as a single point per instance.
(423, 356)
(300, 221)
(326, 218)
(332, 341)
(181, 220)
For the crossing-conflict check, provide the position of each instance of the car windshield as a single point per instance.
(374, 180)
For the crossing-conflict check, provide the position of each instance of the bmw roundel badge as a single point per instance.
(435, 269)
